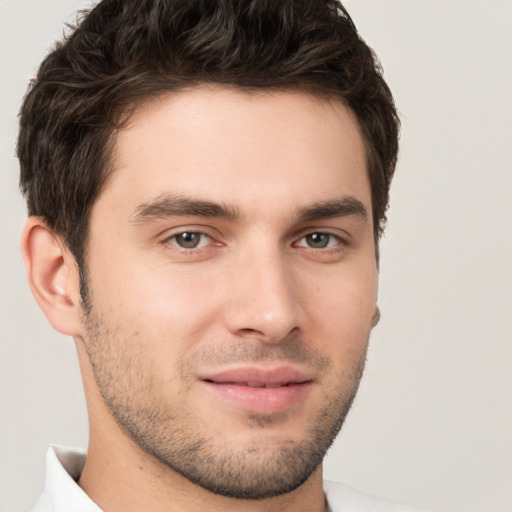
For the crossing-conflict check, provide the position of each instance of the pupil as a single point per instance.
(318, 240)
(188, 240)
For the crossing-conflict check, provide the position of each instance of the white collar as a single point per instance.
(61, 492)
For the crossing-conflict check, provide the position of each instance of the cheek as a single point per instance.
(155, 304)
(341, 308)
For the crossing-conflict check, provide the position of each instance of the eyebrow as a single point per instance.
(343, 207)
(183, 206)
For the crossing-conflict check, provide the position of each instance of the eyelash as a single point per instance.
(340, 243)
(174, 237)
(331, 237)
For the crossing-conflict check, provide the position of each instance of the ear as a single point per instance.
(52, 275)
(375, 317)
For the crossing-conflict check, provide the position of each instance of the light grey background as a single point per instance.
(432, 424)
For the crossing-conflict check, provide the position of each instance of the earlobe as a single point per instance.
(52, 275)
(375, 317)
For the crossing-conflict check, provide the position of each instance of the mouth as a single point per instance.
(257, 384)
(260, 391)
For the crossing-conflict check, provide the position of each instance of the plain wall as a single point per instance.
(432, 423)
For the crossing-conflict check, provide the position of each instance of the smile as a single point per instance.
(260, 385)
(259, 391)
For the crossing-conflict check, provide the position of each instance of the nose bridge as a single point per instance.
(263, 301)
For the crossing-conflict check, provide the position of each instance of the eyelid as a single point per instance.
(167, 236)
(342, 236)
(172, 239)
(187, 228)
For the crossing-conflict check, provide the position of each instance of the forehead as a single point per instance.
(278, 147)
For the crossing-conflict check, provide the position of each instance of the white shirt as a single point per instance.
(62, 494)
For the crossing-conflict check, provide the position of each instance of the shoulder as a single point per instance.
(343, 498)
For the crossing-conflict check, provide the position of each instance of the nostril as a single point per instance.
(251, 332)
(268, 335)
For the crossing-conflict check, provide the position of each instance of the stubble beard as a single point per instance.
(168, 433)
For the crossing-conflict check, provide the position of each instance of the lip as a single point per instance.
(259, 390)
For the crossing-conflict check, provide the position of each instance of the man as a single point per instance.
(207, 184)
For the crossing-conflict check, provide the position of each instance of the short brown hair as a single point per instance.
(125, 51)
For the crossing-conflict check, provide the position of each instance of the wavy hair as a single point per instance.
(124, 52)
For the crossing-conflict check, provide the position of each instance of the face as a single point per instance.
(232, 284)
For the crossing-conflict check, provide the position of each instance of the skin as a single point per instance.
(258, 291)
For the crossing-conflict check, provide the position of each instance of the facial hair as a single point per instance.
(168, 431)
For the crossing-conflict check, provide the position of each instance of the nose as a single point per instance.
(263, 301)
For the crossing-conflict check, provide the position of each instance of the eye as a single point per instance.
(190, 240)
(319, 240)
